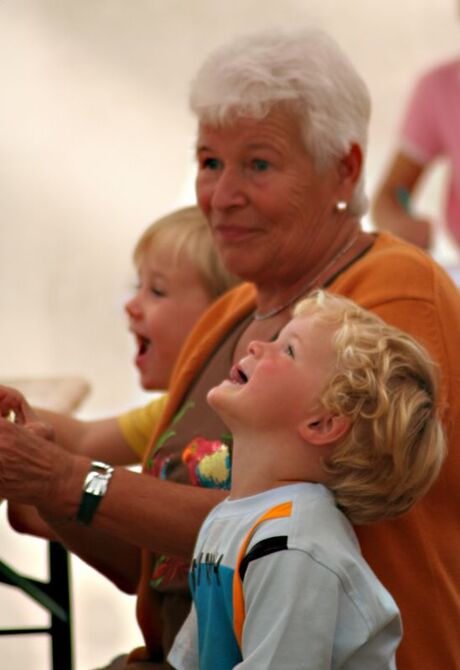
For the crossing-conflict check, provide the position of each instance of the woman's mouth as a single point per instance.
(229, 233)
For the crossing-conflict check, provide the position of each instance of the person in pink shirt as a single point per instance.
(430, 130)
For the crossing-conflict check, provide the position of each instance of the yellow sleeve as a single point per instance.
(138, 424)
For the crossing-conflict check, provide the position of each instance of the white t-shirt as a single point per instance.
(309, 600)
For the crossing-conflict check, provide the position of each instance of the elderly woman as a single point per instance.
(280, 148)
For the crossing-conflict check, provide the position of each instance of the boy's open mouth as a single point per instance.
(143, 344)
(237, 376)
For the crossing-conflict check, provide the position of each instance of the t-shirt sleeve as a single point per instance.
(289, 636)
(138, 424)
(299, 615)
(420, 132)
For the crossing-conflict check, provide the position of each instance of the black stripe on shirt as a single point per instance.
(263, 548)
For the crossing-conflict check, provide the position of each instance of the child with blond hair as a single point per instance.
(179, 275)
(334, 423)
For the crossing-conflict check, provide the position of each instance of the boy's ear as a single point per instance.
(324, 428)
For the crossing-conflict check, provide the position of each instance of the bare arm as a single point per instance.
(100, 440)
(389, 210)
(117, 560)
(138, 511)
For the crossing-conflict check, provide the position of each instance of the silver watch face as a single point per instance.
(101, 467)
(98, 478)
(96, 483)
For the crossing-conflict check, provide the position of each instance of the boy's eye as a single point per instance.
(260, 165)
(159, 293)
(290, 351)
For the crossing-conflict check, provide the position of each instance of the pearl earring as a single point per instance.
(341, 206)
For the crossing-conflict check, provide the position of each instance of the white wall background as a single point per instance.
(95, 142)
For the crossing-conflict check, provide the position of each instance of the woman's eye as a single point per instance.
(260, 165)
(210, 163)
(290, 351)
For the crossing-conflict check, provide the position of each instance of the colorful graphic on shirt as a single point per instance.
(208, 463)
(169, 573)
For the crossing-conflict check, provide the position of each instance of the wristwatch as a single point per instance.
(94, 489)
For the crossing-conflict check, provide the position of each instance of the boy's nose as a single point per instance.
(256, 348)
(132, 307)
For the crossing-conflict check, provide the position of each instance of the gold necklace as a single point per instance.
(273, 312)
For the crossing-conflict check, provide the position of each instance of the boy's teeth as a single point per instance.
(144, 344)
(243, 377)
(237, 376)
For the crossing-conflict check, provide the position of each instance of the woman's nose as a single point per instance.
(228, 190)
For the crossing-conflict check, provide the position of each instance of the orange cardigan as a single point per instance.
(417, 557)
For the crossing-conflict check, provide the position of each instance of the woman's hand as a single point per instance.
(32, 468)
(15, 408)
(12, 402)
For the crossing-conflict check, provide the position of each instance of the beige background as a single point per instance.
(95, 142)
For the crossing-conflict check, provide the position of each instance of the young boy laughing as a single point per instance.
(333, 423)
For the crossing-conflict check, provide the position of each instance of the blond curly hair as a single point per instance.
(386, 383)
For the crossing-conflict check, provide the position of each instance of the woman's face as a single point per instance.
(265, 203)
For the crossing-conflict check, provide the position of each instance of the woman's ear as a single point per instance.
(324, 428)
(350, 165)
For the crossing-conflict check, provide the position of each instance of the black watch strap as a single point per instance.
(94, 489)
